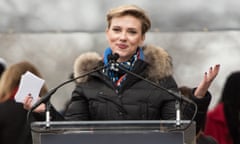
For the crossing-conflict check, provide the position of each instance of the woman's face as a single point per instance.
(124, 35)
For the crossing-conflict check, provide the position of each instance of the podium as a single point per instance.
(113, 132)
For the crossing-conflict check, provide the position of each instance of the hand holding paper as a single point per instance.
(29, 84)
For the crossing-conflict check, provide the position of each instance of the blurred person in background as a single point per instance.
(13, 125)
(223, 121)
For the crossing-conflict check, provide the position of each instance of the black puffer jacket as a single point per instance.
(96, 98)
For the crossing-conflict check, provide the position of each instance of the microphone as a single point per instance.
(116, 66)
(48, 95)
(112, 60)
(113, 57)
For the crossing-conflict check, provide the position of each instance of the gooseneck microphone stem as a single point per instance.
(173, 93)
(178, 96)
(47, 96)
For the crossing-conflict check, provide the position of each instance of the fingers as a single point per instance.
(207, 80)
(27, 103)
(216, 69)
(212, 73)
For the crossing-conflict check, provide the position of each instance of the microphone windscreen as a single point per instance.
(113, 57)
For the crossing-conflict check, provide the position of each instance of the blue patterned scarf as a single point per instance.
(118, 76)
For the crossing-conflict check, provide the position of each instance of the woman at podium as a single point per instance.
(117, 86)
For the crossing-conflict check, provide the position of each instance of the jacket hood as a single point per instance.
(160, 63)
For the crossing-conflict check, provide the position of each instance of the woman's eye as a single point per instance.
(132, 32)
(116, 29)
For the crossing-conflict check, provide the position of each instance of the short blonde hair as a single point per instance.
(132, 10)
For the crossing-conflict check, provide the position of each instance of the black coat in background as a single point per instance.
(13, 129)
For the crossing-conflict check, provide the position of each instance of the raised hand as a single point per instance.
(204, 85)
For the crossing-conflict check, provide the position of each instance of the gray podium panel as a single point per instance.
(113, 132)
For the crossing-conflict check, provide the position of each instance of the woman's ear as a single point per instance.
(142, 41)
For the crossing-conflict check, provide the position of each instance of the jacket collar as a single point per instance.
(158, 60)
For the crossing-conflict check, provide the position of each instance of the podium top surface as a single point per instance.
(134, 125)
(102, 132)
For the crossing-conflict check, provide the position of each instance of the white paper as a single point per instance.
(29, 84)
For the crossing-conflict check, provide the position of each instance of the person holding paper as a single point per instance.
(13, 127)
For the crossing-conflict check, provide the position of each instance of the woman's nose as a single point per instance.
(123, 36)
